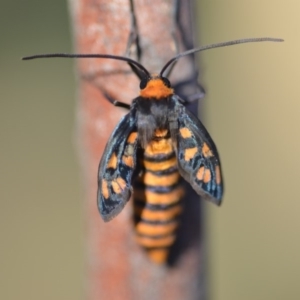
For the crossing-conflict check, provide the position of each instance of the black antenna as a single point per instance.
(65, 55)
(167, 65)
(217, 45)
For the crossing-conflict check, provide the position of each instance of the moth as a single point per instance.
(156, 144)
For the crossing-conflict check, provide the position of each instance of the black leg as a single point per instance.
(116, 103)
(133, 40)
(133, 35)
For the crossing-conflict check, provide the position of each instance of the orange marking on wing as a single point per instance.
(158, 215)
(160, 166)
(207, 176)
(112, 163)
(161, 132)
(128, 161)
(185, 132)
(206, 151)
(150, 229)
(159, 199)
(158, 256)
(118, 185)
(189, 153)
(156, 89)
(200, 173)
(150, 242)
(104, 189)
(132, 137)
(121, 182)
(218, 174)
(163, 146)
(166, 180)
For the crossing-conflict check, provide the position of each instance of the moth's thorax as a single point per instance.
(156, 89)
(151, 115)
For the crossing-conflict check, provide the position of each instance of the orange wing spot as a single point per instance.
(207, 176)
(150, 242)
(218, 174)
(158, 256)
(128, 161)
(200, 173)
(132, 137)
(112, 163)
(163, 146)
(161, 132)
(206, 151)
(159, 199)
(189, 153)
(121, 182)
(104, 189)
(118, 185)
(167, 180)
(158, 215)
(156, 89)
(150, 229)
(160, 166)
(185, 132)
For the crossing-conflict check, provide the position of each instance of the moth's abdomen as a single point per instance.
(157, 197)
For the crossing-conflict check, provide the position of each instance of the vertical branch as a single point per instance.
(154, 31)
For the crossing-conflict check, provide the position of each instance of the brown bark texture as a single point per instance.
(151, 32)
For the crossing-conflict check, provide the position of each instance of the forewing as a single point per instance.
(116, 168)
(197, 155)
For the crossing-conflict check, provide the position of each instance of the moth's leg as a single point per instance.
(133, 44)
(115, 102)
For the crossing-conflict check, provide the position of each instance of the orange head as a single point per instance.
(156, 87)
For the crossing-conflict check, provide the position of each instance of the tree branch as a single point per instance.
(153, 31)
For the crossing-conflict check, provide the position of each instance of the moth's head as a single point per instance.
(155, 86)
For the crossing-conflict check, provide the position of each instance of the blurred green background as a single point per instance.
(251, 110)
(41, 196)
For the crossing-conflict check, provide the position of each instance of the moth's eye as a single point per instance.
(143, 83)
(166, 82)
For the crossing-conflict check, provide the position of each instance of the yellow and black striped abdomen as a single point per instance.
(157, 197)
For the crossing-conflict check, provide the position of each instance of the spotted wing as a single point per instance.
(116, 168)
(197, 155)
